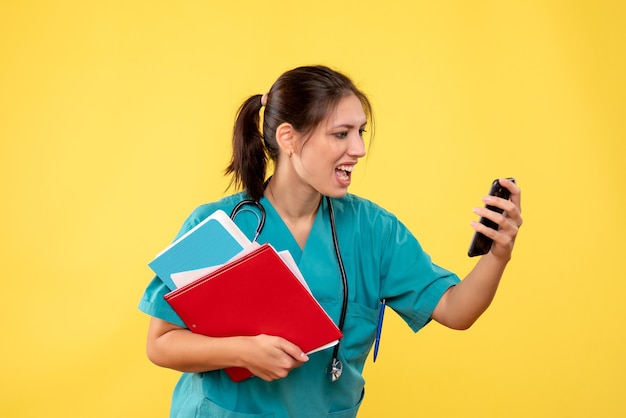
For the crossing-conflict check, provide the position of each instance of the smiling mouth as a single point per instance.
(344, 171)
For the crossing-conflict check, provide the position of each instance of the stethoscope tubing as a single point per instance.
(344, 282)
(335, 366)
(261, 219)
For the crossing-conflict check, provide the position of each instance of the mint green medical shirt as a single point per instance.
(382, 260)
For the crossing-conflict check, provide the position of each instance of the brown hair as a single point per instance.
(302, 97)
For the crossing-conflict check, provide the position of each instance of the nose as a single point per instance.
(357, 146)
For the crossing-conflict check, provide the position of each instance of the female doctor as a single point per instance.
(345, 246)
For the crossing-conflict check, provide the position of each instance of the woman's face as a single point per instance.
(326, 159)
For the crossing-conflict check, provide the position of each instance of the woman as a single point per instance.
(313, 123)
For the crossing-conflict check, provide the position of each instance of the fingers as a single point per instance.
(294, 351)
(275, 357)
(516, 195)
(507, 229)
(511, 207)
(508, 222)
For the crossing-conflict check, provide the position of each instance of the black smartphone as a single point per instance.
(481, 244)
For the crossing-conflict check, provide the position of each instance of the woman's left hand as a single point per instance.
(461, 305)
(508, 222)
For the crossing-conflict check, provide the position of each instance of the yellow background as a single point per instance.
(115, 122)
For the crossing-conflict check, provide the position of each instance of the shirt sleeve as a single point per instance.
(152, 301)
(410, 282)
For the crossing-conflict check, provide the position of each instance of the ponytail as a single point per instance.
(249, 160)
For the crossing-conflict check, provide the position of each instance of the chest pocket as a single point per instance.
(359, 333)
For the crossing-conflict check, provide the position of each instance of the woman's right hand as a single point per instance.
(270, 357)
(266, 356)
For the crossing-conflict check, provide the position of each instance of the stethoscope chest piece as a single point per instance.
(336, 367)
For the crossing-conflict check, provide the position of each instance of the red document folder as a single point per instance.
(255, 294)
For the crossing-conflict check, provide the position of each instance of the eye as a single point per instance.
(362, 131)
(341, 135)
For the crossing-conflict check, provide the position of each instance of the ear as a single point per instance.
(286, 137)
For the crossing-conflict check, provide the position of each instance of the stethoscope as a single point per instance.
(335, 367)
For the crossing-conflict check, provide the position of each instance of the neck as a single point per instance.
(293, 203)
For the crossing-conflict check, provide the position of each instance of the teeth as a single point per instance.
(347, 168)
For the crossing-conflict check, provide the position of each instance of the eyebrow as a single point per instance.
(348, 126)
